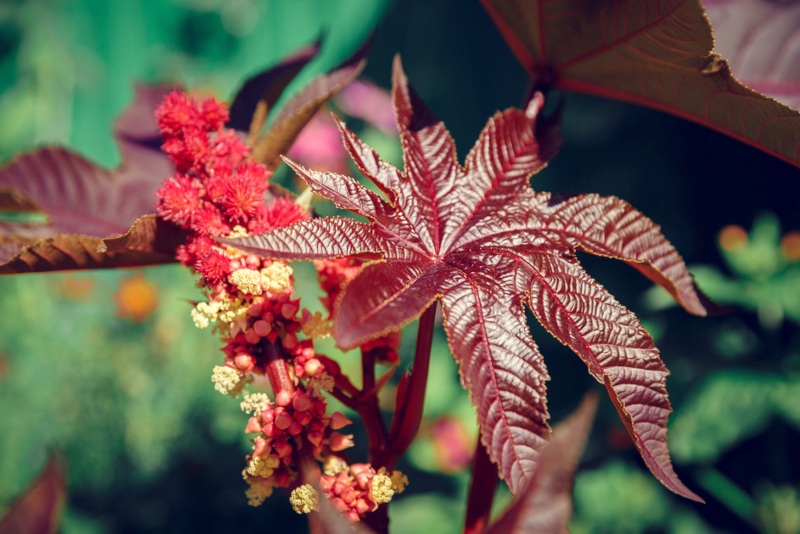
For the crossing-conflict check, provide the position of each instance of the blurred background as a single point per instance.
(107, 371)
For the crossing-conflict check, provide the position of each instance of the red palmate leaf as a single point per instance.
(481, 241)
(656, 53)
(546, 505)
(759, 39)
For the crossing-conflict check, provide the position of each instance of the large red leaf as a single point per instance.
(657, 54)
(480, 240)
(84, 203)
(758, 38)
(546, 505)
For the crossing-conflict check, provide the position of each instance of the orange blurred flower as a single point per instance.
(136, 298)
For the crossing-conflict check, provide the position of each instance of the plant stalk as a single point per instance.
(408, 415)
(277, 369)
(481, 491)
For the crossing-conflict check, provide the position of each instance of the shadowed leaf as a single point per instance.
(38, 510)
(266, 87)
(301, 107)
(14, 201)
(480, 240)
(656, 54)
(545, 506)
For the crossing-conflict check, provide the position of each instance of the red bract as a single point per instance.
(478, 239)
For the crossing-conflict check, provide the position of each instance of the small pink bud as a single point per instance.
(313, 367)
(348, 495)
(340, 505)
(252, 261)
(262, 447)
(283, 398)
(340, 442)
(251, 336)
(268, 416)
(295, 428)
(339, 486)
(288, 310)
(301, 402)
(362, 506)
(302, 418)
(253, 426)
(262, 328)
(256, 309)
(244, 362)
(283, 421)
(338, 420)
(289, 341)
(268, 429)
(282, 448)
(315, 438)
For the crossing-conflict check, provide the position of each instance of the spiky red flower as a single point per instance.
(244, 192)
(282, 212)
(180, 198)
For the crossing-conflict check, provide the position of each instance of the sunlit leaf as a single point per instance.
(481, 241)
(657, 54)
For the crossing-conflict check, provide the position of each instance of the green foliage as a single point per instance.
(729, 407)
(119, 398)
(68, 68)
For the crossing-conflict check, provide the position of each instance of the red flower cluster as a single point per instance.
(215, 189)
(218, 192)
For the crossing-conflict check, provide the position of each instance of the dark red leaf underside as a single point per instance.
(546, 505)
(301, 107)
(479, 239)
(38, 510)
(266, 87)
(84, 203)
(758, 38)
(656, 54)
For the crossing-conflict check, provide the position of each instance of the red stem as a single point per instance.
(408, 415)
(370, 412)
(277, 369)
(383, 451)
(481, 491)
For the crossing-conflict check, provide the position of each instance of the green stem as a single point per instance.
(728, 493)
(481, 491)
